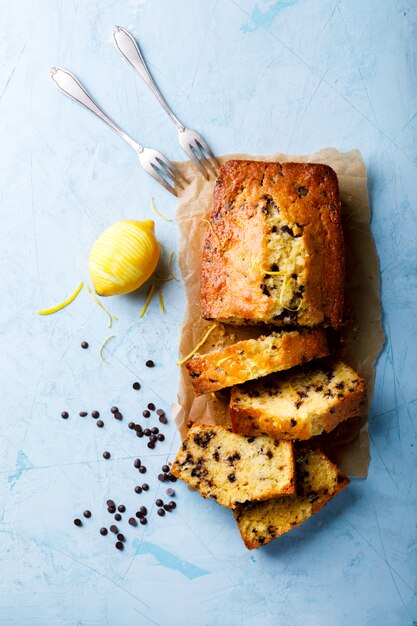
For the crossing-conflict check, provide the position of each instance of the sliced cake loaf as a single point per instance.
(232, 468)
(273, 251)
(317, 480)
(298, 404)
(253, 358)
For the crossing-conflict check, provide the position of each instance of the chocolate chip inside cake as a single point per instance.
(273, 251)
(253, 358)
(298, 404)
(317, 479)
(233, 468)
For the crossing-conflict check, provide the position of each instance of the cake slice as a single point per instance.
(232, 468)
(317, 479)
(299, 404)
(253, 358)
(273, 251)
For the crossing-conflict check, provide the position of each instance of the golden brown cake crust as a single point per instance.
(252, 420)
(306, 198)
(254, 358)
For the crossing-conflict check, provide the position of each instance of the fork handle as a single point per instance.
(68, 84)
(128, 47)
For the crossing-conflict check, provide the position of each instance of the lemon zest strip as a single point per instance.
(273, 273)
(200, 343)
(161, 247)
(63, 304)
(161, 301)
(147, 302)
(102, 347)
(284, 283)
(171, 258)
(101, 305)
(226, 358)
(167, 219)
(221, 245)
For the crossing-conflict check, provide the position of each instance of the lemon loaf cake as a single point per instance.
(253, 358)
(232, 468)
(317, 479)
(298, 404)
(273, 249)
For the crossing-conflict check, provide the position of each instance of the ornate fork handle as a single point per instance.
(68, 84)
(128, 47)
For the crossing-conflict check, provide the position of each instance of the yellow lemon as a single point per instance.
(123, 257)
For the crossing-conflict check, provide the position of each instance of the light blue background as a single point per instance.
(289, 75)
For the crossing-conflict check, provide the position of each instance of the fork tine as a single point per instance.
(155, 173)
(171, 171)
(200, 150)
(204, 145)
(191, 155)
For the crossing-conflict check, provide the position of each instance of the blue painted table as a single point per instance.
(253, 76)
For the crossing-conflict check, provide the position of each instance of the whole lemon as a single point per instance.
(123, 257)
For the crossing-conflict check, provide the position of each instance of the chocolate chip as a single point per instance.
(160, 437)
(147, 432)
(121, 508)
(131, 425)
(150, 363)
(84, 345)
(165, 468)
(160, 412)
(151, 406)
(83, 413)
(103, 531)
(172, 504)
(118, 416)
(143, 520)
(146, 413)
(152, 438)
(138, 489)
(106, 454)
(137, 463)
(154, 430)
(119, 545)
(151, 445)
(110, 503)
(170, 492)
(136, 386)
(114, 410)
(118, 517)
(121, 537)
(139, 433)
(111, 509)
(132, 521)
(161, 512)
(64, 415)
(114, 529)
(145, 487)
(78, 522)
(159, 502)
(232, 478)
(167, 507)
(293, 422)
(100, 423)
(139, 515)
(143, 510)
(172, 478)
(95, 414)
(162, 477)
(163, 419)
(138, 428)
(87, 514)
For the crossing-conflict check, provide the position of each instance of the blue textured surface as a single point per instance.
(252, 76)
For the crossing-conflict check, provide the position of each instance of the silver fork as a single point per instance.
(152, 161)
(190, 140)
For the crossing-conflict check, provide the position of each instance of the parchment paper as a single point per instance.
(347, 445)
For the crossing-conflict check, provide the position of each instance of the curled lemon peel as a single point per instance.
(200, 343)
(161, 247)
(281, 295)
(171, 258)
(221, 245)
(101, 305)
(167, 219)
(147, 302)
(278, 273)
(64, 303)
(161, 301)
(103, 345)
(226, 358)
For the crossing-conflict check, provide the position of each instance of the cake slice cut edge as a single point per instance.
(299, 404)
(232, 468)
(318, 480)
(254, 358)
